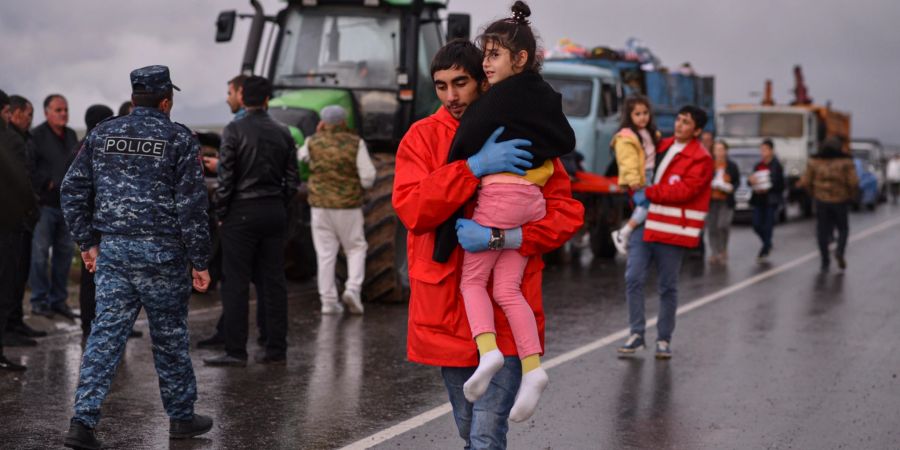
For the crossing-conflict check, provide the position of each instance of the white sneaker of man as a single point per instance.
(332, 308)
(353, 301)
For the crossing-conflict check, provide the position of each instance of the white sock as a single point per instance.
(533, 385)
(489, 364)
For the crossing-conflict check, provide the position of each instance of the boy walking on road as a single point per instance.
(677, 203)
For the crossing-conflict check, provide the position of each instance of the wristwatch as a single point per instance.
(497, 238)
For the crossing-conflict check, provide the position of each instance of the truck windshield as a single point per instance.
(753, 124)
(346, 48)
(576, 95)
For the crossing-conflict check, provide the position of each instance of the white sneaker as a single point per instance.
(620, 240)
(332, 308)
(353, 301)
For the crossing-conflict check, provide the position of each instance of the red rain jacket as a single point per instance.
(427, 190)
(679, 196)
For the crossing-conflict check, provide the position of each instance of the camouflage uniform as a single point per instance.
(334, 178)
(136, 189)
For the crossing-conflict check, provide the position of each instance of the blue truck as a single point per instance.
(593, 90)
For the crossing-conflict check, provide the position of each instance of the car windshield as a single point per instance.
(348, 48)
(754, 124)
(576, 95)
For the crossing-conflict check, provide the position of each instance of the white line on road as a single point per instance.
(423, 418)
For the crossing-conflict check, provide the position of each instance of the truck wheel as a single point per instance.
(387, 275)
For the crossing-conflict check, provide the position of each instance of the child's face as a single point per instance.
(685, 128)
(640, 115)
(498, 62)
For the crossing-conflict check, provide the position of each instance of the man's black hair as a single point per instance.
(17, 103)
(4, 99)
(96, 114)
(697, 114)
(459, 53)
(125, 108)
(256, 90)
(151, 99)
(238, 81)
(50, 99)
(768, 142)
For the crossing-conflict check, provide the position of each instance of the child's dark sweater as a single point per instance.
(530, 109)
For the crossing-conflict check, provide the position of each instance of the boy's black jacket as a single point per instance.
(530, 109)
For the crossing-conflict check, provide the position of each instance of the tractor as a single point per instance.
(372, 57)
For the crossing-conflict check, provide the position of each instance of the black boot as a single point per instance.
(184, 429)
(6, 364)
(25, 330)
(81, 437)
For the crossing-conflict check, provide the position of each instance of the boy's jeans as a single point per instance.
(764, 223)
(50, 231)
(483, 425)
(668, 263)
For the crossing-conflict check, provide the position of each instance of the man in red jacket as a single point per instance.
(427, 190)
(677, 203)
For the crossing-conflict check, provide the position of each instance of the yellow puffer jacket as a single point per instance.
(629, 157)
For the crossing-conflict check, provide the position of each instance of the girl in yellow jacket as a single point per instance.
(635, 149)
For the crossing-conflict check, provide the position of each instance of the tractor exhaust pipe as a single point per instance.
(253, 39)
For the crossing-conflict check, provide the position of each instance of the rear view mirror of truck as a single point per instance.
(225, 25)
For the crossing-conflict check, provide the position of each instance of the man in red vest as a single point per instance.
(677, 203)
(427, 191)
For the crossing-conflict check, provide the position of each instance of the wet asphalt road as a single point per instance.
(786, 358)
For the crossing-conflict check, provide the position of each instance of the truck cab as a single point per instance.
(591, 104)
(793, 130)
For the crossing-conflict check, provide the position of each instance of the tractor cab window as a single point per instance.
(344, 48)
(576, 95)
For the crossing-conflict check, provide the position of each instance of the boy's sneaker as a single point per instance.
(763, 255)
(332, 308)
(353, 301)
(620, 240)
(663, 351)
(634, 343)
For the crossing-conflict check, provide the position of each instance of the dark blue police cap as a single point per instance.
(151, 80)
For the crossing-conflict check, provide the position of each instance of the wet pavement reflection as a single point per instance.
(800, 359)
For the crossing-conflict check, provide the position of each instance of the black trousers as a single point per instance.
(9, 262)
(17, 315)
(831, 216)
(253, 236)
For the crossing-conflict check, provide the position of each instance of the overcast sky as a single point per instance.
(849, 50)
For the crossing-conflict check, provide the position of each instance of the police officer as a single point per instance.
(136, 204)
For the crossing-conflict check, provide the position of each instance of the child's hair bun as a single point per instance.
(520, 12)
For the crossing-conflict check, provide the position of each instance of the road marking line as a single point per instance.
(427, 416)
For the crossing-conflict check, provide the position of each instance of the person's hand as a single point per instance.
(497, 157)
(211, 164)
(472, 237)
(90, 258)
(200, 280)
(640, 199)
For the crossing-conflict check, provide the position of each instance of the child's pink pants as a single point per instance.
(503, 206)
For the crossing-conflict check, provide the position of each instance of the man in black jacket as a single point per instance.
(51, 151)
(257, 177)
(19, 333)
(15, 201)
(767, 182)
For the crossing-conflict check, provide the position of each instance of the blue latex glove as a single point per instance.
(640, 199)
(497, 157)
(472, 237)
